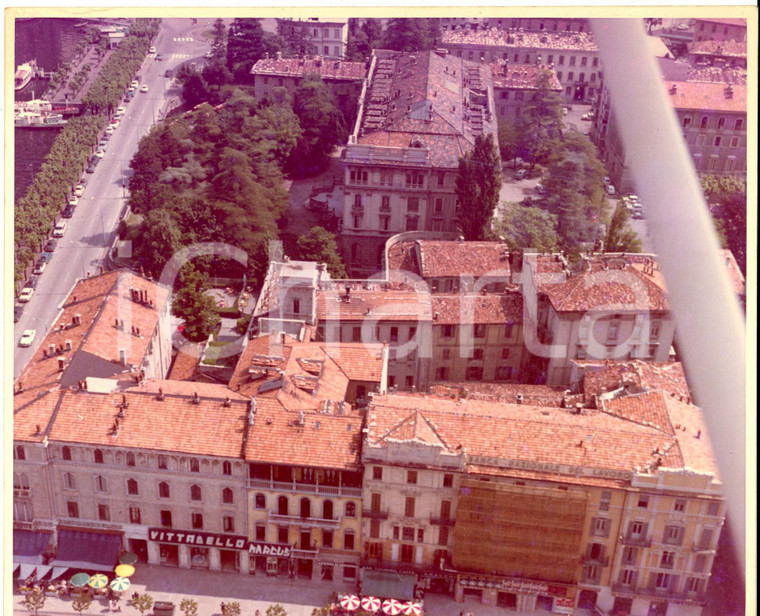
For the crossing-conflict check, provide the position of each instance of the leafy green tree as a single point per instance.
(231, 608)
(143, 603)
(35, 601)
(195, 89)
(728, 202)
(194, 306)
(477, 186)
(320, 245)
(364, 35)
(276, 610)
(528, 227)
(245, 44)
(540, 122)
(161, 238)
(651, 22)
(620, 237)
(411, 34)
(220, 33)
(296, 36)
(215, 73)
(509, 139)
(322, 124)
(81, 602)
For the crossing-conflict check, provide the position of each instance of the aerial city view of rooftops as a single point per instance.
(365, 311)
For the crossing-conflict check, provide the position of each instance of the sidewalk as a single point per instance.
(210, 588)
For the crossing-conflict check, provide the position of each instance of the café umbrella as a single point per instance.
(120, 584)
(411, 608)
(349, 602)
(391, 607)
(80, 579)
(124, 570)
(98, 580)
(128, 558)
(371, 604)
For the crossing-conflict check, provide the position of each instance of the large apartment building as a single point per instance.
(326, 37)
(720, 29)
(615, 507)
(573, 55)
(515, 85)
(419, 113)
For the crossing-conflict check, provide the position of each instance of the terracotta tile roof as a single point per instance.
(329, 70)
(608, 375)
(417, 99)
(276, 438)
(95, 342)
(32, 409)
(717, 74)
(533, 395)
(704, 96)
(383, 305)
(693, 440)
(625, 289)
(495, 37)
(522, 76)
(488, 308)
(737, 49)
(173, 424)
(455, 258)
(529, 433)
(185, 364)
(402, 257)
(304, 375)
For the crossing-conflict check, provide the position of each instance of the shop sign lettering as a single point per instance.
(215, 540)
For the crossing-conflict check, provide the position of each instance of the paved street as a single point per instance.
(258, 592)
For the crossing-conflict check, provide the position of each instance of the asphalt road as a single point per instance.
(91, 231)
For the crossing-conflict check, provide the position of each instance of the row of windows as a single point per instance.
(133, 488)
(411, 479)
(162, 461)
(705, 123)
(478, 330)
(304, 506)
(531, 58)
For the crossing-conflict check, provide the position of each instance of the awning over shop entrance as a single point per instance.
(80, 549)
(28, 546)
(388, 584)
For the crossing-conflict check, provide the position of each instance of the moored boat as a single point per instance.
(35, 119)
(24, 74)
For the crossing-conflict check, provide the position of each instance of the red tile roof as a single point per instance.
(622, 437)
(455, 258)
(603, 376)
(383, 305)
(185, 364)
(522, 76)
(737, 49)
(495, 37)
(329, 70)
(704, 96)
(533, 395)
(487, 308)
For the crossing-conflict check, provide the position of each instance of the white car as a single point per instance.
(100, 153)
(73, 200)
(109, 130)
(78, 190)
(59, 229)
(610, 189)
(26, 294)
(144, 88)
(521, 174)
(152, 50)
(606, 179)
(135, 84)
(27, 338)
(121, 110)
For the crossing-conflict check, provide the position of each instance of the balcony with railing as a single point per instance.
(297, 487)
(699, 547)
(375, 514)
(601, 561)
(657, 593)
(278, 518)
(442, 521)
(640, 541)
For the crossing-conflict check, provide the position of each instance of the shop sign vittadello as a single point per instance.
(197, 538)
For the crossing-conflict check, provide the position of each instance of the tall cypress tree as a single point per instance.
(477, 186)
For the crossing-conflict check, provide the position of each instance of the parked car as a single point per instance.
(47, 257)
(637, 214)
(167, 73)
(68, 211)
(59, 229)
(50, 246)
(103, 144)
(159, 57)
(78, 190)
(152, 50)
(94, 160)
(27, 337)
(91, 168)
(32, 282)
(100, 153)
(521, 174)
(73, 200)
(40, 266)
(121, 110)
(606, 179)
(588, 116)
(610, 189)
(682, 27)
(17, 312)
(26, 294)
(135, 84)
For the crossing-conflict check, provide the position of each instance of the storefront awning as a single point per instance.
(29, 546)
(42, 570)
(26, 571)
(58, 572)
(388, 584)
(80, 549)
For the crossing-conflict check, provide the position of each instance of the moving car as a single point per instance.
(26, 294)
(17, 312)
(168, 72)
(144, 88)
(152, 50)
(159, 57)
(59, 229)
(27, 338)
(40, 266)
(78, 190)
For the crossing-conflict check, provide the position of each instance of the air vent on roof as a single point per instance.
(61, 364)
(196, 398)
